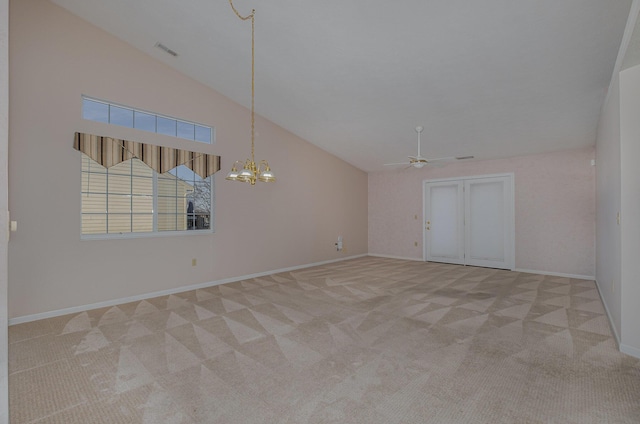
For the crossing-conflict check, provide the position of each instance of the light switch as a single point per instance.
(14, 226)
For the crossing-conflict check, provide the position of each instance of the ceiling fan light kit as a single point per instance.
(418, 161)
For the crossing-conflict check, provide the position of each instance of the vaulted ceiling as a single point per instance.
(491, 78)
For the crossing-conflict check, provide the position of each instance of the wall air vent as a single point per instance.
(166, 49)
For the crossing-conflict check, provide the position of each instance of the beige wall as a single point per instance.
(55, 58)
(554, 209)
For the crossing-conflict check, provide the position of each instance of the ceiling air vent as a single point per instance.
(166, 49)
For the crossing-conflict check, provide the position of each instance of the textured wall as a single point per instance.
(55, 58)
(554, 209)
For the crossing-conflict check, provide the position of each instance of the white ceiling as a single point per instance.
(491, 78)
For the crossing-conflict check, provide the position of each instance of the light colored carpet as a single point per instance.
(369, 340)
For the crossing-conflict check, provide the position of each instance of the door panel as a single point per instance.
(444, 217)
(487, 222)
(470, 221)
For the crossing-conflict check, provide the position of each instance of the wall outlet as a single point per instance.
(194, 262)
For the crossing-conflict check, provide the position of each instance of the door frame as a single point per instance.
(510, 250)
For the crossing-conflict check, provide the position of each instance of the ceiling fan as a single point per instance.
(418, 161)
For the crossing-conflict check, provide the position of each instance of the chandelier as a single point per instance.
(250, 170)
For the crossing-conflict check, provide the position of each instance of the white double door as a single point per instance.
(470, 221)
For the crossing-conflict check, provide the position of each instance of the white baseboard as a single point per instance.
(629, 350)
(114, 302)
(557, 274)
(528, 271)
(395, 257)
(613, 328)
(626, 349)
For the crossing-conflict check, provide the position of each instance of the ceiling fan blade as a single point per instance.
(398, 163)
(446, 159)
(449, 158)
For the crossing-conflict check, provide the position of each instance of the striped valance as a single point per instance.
(109, 151)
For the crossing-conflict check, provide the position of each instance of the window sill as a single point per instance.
(124, 236)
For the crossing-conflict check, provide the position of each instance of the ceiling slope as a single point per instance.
(490, 79)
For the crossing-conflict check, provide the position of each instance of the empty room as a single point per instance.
(229, 211)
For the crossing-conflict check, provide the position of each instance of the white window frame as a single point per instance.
(156, 115)
(155, 232)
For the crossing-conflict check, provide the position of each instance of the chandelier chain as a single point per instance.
(253, 49)
(251, 172)
(253, 61)
(244, 18)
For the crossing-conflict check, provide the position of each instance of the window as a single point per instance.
(102, 111)
(130, 198)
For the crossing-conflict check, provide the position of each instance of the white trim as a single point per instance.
(152, 234)
(626, 349)
(396, 257)
(624, 45)
(512, 216)
(611, 326)
(5, 219)
(469, 177)
(629, 350)
(114, 302)
(557, 274)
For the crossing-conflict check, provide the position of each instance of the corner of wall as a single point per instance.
(4, 214)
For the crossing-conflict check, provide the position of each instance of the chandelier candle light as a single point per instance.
(250, 171)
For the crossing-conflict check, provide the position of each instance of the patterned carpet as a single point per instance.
(368, 340)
